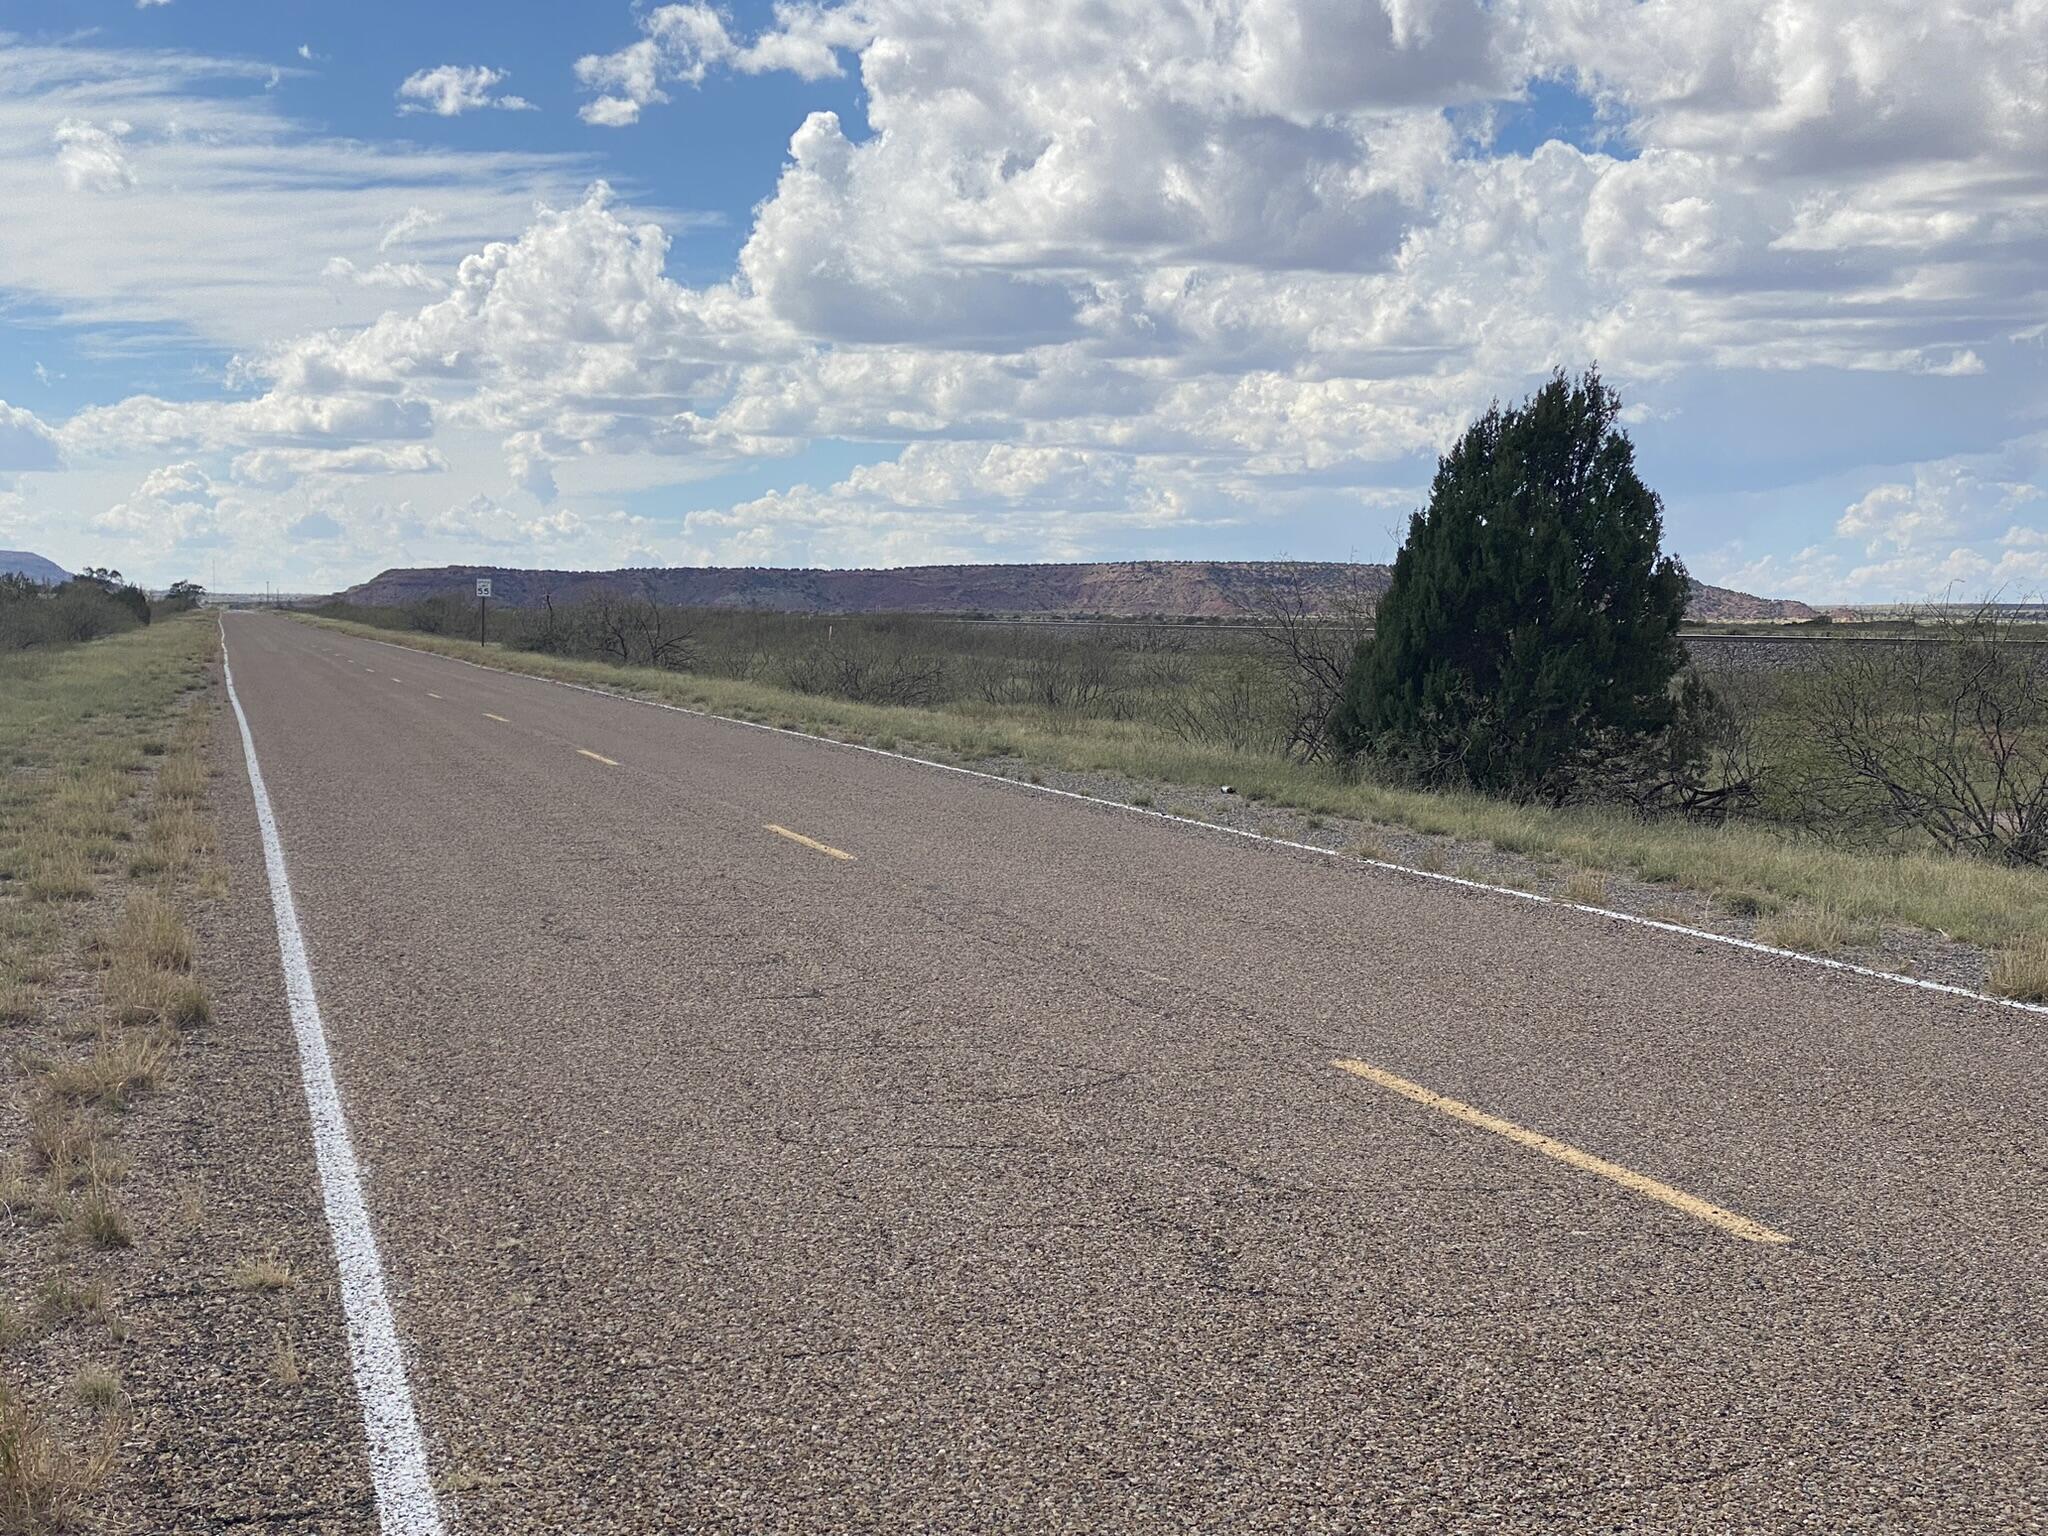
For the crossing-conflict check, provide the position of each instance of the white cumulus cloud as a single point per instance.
(449, 90)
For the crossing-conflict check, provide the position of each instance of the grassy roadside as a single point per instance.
(1813, 895)
(105, 842)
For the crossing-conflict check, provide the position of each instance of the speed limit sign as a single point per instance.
(483, 586)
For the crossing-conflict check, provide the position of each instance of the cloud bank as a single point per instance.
(1106, 278)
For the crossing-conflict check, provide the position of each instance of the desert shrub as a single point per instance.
(1312, 639)
(1238, 708)
(182, 597)
(35, 617)
(1941, 737)
(443, 615)
(861, 669)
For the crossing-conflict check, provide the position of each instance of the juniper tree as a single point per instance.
(1531, 621)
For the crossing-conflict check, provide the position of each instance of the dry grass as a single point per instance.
(263, 1272)
(104, 783)
(97, 1387)
(144, 994)
(176, 839)
(1815, 931)
(43, 1481)
(20, 1196)
(148, 958)
(57, 871)
(124, 1067)
(19, 1001)
(66, 1146)
(95, 1218)
(182, 779)
(2020, 971)
(284, 1360)
(154, 930)
(1586, 887)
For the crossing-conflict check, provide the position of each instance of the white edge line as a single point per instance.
(398, 1455)
(1259, 837)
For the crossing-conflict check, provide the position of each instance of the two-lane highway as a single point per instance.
(764, 1135)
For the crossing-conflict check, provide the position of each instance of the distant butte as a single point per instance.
(1204, 589)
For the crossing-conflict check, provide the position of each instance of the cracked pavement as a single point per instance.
(998, 1179)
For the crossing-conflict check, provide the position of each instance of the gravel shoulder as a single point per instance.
(176, 1362)
(246, 1412)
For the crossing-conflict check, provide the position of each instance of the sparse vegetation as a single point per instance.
(60, 1302)
(1814, 930)
(99, 1221)
(123, 1066)
(43, 1480)
(284, 1360)
(1942, 741)
(103, 841)
(91, 605)
(263, 1272)
(97, 1387)
(2020, 970)
(1587, 887)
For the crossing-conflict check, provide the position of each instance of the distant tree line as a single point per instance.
(97, 602)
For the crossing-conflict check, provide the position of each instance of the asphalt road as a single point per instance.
(1000, 1177)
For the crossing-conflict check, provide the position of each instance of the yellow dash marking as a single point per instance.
(1536, 1141)
(597, 757)
(499, 718)
(808, 842)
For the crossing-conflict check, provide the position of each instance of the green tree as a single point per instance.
(1531, 626)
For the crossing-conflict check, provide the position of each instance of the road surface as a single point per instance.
(762, 1135)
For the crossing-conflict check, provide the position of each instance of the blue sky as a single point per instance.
(308, 290)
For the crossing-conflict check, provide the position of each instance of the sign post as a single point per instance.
(483, 598)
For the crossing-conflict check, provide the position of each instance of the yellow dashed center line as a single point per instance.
(808, 842)
(596, 757)
(1536, 1141)
(499, 718)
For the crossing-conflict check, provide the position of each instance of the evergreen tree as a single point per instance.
(1531, 622)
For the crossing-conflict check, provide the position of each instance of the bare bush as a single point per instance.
(1065, 677)
(1707, 765)
(548, 631)
(1943, 736)
(1313, 640)
(1236, 709)
(862, 670)
(637, 631)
